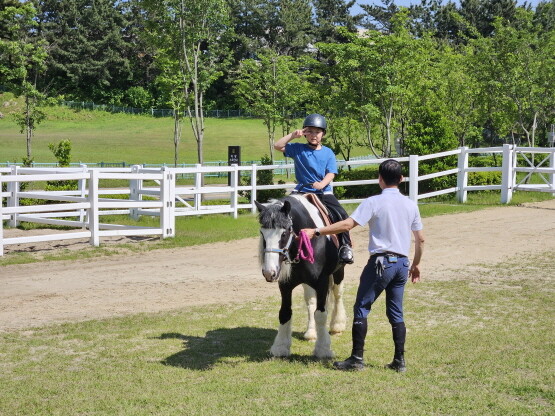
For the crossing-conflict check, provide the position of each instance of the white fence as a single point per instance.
(154, 192)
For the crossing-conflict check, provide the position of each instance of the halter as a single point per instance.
(285, 250)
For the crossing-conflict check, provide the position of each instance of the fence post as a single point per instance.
(1, 223)
(93, 210)
(13, 198)
(135, 186)
(167, 197)
(507, 174)
(253, 188)
(81, 186)
(198, 185)
(462, 174)
(235, 192)
(552, 174)
(413, 177)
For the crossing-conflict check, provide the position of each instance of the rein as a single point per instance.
(305, 245)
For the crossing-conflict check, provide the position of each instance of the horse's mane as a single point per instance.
(273, 216)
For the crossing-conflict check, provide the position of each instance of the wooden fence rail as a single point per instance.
(155, 192)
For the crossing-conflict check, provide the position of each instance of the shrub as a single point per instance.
(431, 133)
(137, 97)
(62, 152)
(358, 191)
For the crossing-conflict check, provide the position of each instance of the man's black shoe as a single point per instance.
(346, 255)
(350, 364)
(398, 364)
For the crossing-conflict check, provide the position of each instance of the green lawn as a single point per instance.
(477, 344)
(98, 136)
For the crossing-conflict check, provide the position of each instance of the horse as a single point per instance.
(280, 223)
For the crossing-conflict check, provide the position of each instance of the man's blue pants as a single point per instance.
(378, 275)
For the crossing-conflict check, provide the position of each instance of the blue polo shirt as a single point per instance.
(311, 165)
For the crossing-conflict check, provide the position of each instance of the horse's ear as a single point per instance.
(260, 206)
(286, 208)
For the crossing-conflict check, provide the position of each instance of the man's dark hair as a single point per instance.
(390, 171)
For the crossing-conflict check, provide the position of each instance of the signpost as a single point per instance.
(233, 158)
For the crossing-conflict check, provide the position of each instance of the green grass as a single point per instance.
(477, 344)
(98, 136)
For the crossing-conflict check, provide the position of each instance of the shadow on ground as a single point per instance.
(226, 344)
(201, 353)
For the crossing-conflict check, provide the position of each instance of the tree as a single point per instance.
(515, 70)
(88, 55)
(170, 84)
(375, 76)
(22, 59)
(331, 15)
(345, 95)
(194, 34)
(272, 87)
(400, 62)
(284, 26)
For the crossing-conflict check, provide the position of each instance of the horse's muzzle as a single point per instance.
(270, 275)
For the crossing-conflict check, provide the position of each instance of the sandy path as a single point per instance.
(63, 291)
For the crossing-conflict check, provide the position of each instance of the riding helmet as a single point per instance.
(315, 120)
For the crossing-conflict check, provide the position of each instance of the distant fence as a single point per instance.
(165, 112)
(154, 112)
(84, 207)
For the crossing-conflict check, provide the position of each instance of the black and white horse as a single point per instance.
(281, 221)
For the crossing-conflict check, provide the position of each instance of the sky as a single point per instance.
(406, 3)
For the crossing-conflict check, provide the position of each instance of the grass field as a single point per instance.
(98, 136)
(478, 344)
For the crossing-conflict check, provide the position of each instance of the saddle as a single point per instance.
(324, 213)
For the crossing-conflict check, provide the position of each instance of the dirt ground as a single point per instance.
(67, 291)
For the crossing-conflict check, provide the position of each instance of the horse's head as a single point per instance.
(276, 235)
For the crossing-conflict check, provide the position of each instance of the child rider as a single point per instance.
(315, 168)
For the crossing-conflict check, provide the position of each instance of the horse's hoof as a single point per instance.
(336, 331)
(280, 352)
(323, 354)
(310, 335)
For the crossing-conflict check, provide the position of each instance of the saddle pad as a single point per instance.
(314, 200)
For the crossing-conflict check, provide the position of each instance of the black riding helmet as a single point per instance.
(315, 120)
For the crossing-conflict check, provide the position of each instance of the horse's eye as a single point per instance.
(284, 234)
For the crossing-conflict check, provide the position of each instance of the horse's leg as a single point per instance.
(310, 299)
(282, 342)
(338, 316)
(322, 349)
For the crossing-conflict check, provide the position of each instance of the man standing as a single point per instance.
(391, 217)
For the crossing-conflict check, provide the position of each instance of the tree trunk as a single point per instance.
(28, 126)
(176, 134)
(368, 129)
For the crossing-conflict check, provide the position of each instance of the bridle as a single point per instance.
(285, 250)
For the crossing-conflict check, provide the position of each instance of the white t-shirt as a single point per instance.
(391, 217)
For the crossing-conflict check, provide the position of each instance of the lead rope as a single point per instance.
(305, 250)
